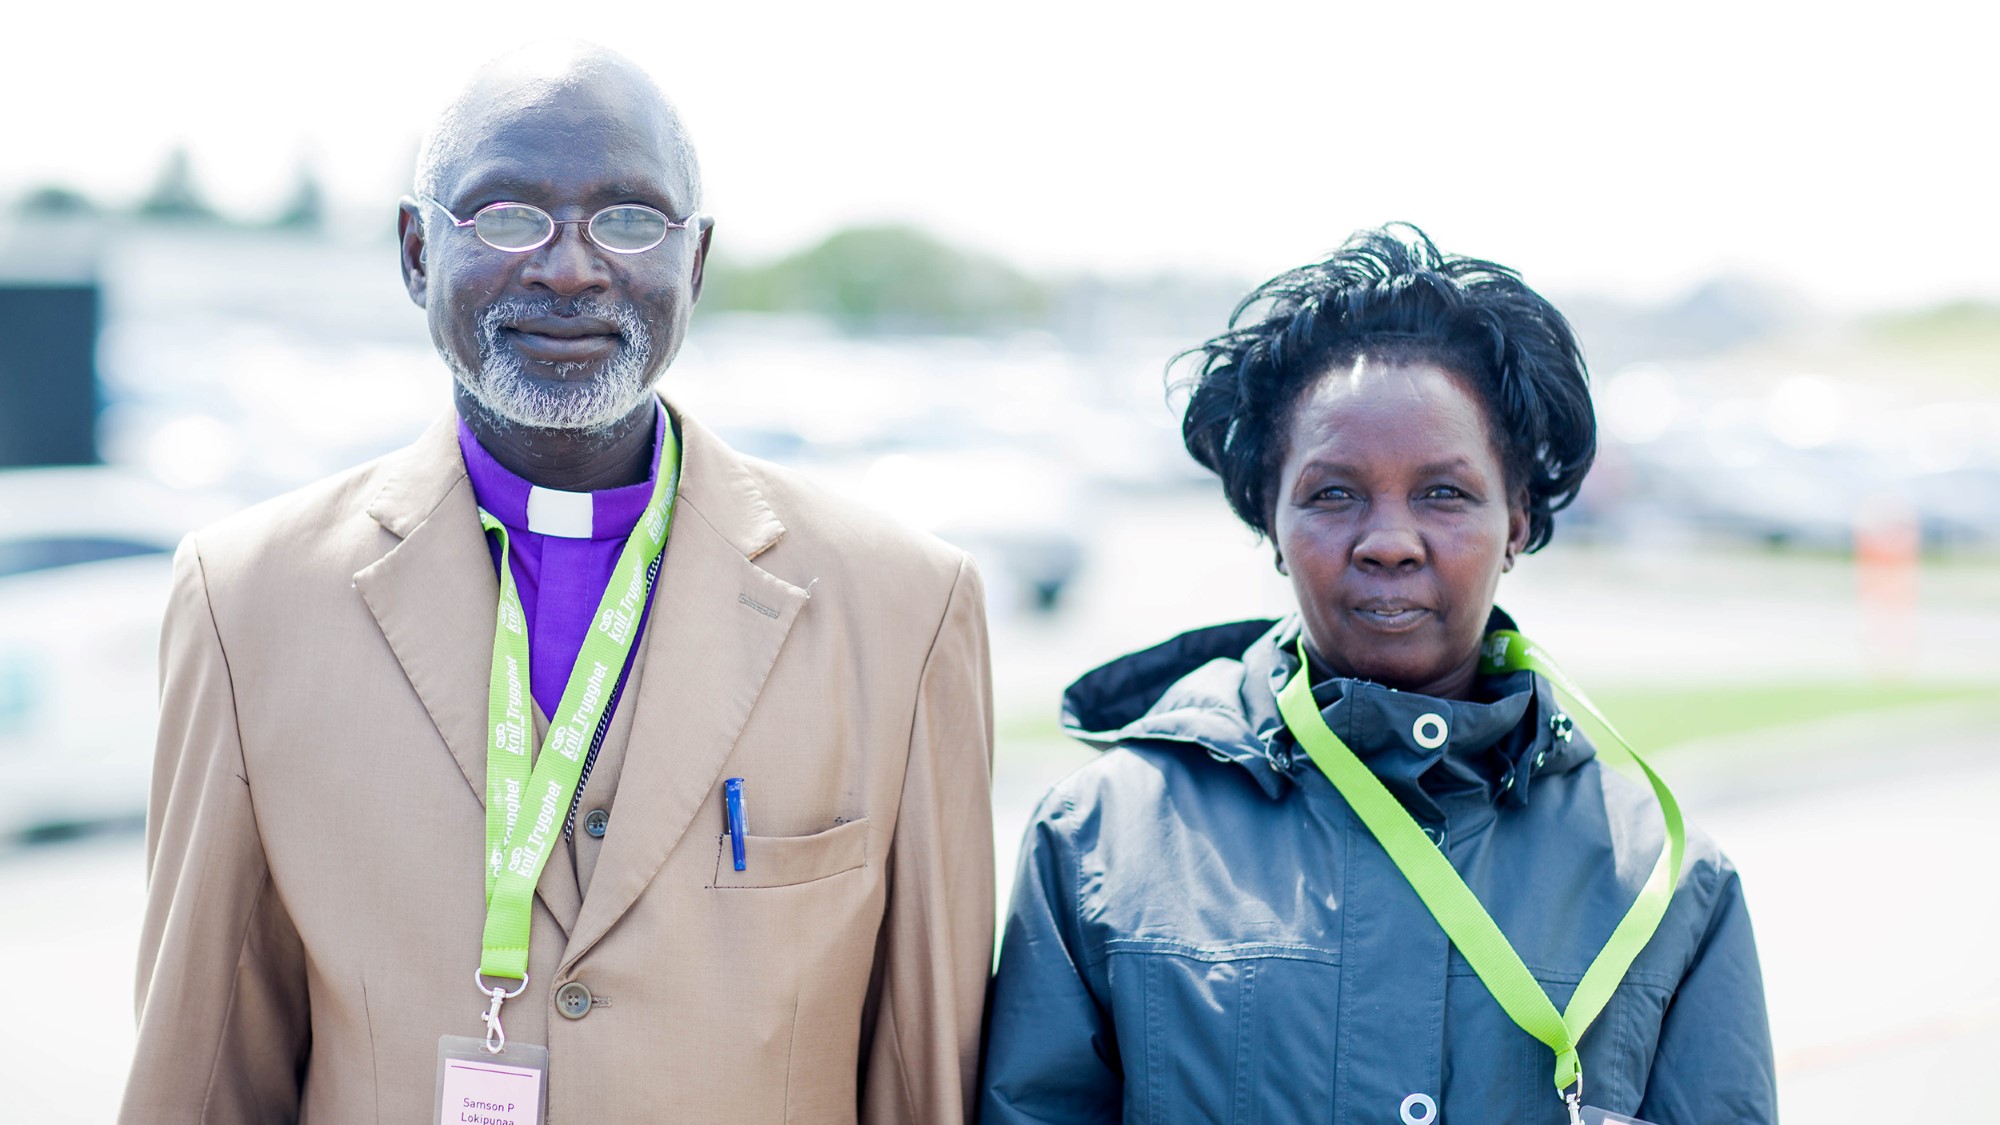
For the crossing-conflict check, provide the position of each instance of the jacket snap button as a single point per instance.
(1541, 759)
(596, 821)
(573, 1000)
(1562, 726)
(1281, 759)
(1429, 730)
(1419, 1109)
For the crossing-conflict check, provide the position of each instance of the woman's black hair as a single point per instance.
(1390, 294)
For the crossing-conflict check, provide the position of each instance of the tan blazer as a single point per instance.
(316, 896)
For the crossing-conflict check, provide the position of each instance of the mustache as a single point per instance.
(631, 326)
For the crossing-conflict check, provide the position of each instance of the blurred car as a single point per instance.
(1016, 513)
(1014, 507)
(85, 565)
(1957, 507)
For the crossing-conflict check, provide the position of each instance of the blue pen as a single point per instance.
(732, 803)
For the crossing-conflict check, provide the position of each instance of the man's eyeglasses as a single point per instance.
(622, 228)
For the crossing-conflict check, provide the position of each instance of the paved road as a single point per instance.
(67, 935)
(1869, 876)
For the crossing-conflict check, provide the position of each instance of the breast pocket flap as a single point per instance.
(784, 861)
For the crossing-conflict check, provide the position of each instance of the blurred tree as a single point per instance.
(1954, 322)
(51, 200)
(174, 194)
(306, 209)
(886, 279)
(1958, 341)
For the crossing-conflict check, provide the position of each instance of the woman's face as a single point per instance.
(1394, 522)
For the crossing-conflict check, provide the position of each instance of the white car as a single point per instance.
(85, 565)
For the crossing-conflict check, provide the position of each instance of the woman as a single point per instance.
(1214, 923)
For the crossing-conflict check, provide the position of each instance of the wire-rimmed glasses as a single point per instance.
(622, 228)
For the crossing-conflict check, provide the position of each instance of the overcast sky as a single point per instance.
(1636, 148)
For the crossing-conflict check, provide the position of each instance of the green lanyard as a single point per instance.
(525, 812)
(1453, 904)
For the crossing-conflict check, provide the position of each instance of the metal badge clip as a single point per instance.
(496, 1036)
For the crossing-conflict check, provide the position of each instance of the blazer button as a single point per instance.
(573, 1000)
(596, 821)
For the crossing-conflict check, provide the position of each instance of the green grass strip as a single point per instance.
(1662, 719)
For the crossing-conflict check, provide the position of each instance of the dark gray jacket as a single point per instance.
(1202, 931)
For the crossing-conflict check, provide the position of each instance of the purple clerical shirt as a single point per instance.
(562, 547)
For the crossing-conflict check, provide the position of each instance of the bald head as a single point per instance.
(556, 86)
(570, 334)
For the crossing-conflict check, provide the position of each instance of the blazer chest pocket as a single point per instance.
(784, 861)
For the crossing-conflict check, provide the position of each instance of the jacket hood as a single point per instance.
(1214, 690)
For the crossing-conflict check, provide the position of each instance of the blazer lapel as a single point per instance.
(434, 596)
(717, 623)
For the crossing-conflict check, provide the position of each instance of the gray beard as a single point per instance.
(506, 391)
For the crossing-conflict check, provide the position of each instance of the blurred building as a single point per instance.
(49, 315)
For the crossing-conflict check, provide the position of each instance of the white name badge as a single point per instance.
(1594, 1116)
(475, 1087)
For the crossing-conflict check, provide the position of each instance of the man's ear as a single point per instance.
(410, 235)
(701, 252)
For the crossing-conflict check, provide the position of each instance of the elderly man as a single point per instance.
(565, 765)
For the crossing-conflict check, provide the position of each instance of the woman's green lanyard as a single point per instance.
(525, 811)
(1453, 904)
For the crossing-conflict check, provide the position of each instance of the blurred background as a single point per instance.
(955, 248)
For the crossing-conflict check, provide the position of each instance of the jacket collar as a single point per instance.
(1215, 690)
(1199, 690)
(716, 483)
(417, 478)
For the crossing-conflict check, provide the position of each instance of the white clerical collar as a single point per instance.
(566, 515)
